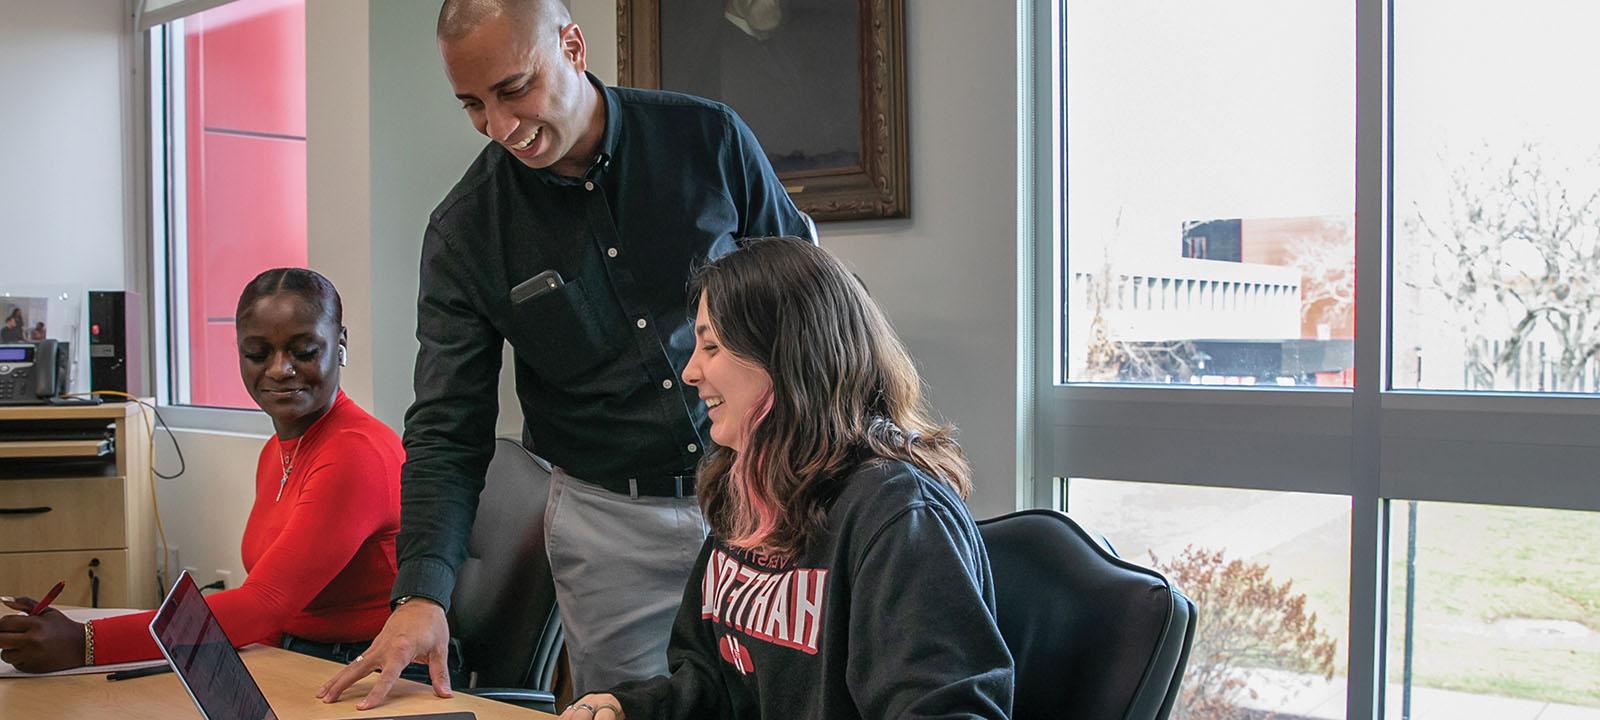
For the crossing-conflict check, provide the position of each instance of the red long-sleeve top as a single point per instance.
(320, 559)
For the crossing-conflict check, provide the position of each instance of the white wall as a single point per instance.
(204, 510)
(339, 170)
(421, 144)
(64, 198)
(61, 185)
(947, 276)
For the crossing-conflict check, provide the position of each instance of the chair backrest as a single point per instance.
(503, 610)
(1094, 637)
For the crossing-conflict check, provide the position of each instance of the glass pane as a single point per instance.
(1494, 613)
(244, 175)
(1496, 196)
(1270, 574)
(1210, 175)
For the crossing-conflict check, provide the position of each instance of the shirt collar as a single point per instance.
(608, 139)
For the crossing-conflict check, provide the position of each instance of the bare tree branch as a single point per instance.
(1515, 244)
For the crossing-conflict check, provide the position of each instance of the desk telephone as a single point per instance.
(34, 373)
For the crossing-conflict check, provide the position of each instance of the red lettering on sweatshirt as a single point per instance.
(783, 608)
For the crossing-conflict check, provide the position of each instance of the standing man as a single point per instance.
(572, 237)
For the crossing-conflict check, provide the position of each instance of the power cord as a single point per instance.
(146, 410)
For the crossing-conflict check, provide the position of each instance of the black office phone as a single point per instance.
(34, 373)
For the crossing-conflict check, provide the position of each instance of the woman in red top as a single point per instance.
(319, 544)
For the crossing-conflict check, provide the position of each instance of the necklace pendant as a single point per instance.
(281, 482)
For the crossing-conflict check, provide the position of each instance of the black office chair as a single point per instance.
(503, 611)
(1094, 637)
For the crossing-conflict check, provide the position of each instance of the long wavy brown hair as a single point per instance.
(844, 392)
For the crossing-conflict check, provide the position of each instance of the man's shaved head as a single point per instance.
(457, 18)
(520, 71)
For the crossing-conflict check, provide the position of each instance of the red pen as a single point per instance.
(49, 597)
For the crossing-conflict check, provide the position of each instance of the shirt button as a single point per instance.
(666, 384)
(588, 184)
(693, 447)
(641, 323)
(611, 252)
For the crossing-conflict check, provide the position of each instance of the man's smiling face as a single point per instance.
(521, 88)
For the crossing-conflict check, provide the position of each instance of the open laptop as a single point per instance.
(210, 668)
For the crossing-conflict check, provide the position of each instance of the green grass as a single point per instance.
(1475, 565)
(1488, 563)
(1470, 664)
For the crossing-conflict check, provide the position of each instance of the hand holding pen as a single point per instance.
(29, 606)
(41, 639)
(49, 597)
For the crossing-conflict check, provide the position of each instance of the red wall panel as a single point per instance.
(245, 132)
(254, 214)
(216, 381)
(254, 62)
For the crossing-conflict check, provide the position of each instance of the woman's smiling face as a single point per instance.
(288, 359)
(731, 387)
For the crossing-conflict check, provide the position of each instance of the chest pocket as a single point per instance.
(561, 336)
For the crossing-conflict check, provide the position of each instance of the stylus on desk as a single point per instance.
(140, 672)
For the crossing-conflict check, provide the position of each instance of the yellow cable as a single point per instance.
(145, 410)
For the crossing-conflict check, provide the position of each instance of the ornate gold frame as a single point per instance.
(878, 188)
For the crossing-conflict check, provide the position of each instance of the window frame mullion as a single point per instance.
(1365, 658)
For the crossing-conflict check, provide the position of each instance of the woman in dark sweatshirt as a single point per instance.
(843, 576)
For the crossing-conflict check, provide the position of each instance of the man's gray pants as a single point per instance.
(620, 566)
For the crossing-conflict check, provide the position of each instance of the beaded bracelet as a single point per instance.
(88, 643)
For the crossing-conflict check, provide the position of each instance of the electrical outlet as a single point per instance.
(171, 563)
(226, 578)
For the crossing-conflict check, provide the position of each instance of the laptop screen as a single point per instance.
(205, 661)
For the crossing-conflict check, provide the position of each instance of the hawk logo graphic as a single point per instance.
(736, 654)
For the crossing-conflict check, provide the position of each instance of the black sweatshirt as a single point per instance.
(888, 614)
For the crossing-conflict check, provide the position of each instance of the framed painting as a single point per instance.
(821, 82)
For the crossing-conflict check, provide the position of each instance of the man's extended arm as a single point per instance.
(449, 440)
(449, 430)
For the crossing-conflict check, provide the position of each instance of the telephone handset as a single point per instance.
(34, 373)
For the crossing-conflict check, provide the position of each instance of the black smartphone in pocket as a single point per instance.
(545, 282)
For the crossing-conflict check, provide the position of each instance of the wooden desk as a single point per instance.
(289, 680)
(75, 509)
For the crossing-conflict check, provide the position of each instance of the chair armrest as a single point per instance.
(521, 697)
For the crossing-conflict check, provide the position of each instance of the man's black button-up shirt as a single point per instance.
(598, 357)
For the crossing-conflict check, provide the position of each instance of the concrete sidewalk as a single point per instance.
(1290, 695)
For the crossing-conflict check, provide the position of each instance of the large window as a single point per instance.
(1317, 297)
(1496, 197)
(1211, 194)
(1270, 638)
(229, 153)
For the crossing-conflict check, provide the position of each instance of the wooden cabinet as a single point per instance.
(77, 508)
